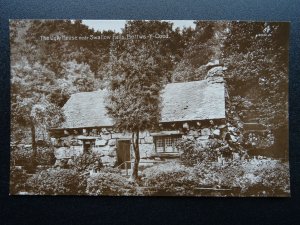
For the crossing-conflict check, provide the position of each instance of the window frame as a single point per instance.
(166, 141)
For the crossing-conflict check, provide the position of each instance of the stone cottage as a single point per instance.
(191, 110)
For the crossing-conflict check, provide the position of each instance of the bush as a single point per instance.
(109, 182)
(56, 182)
(243, 178)
(45, 156)
(254, 177)
(192, 154)
(23, 157)
(17, 180)
(170, 178)
(87, 161)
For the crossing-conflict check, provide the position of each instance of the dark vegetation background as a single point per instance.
(137, 210)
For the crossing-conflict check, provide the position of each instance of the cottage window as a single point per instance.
(159, 142)
(169, 142)
(166, 143)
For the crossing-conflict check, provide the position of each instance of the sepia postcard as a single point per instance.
(149, 108)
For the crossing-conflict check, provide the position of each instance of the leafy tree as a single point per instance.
(134, 100)
(256, 55)
(30, 107)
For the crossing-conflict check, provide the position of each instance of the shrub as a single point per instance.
(17, 180)
(255, 177)
(23, 157)
(87, 161)
(56, 182)
(45, 156)
(109, 182)
(192, 154)
(169, 178)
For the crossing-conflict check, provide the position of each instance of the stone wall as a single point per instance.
(105, 145)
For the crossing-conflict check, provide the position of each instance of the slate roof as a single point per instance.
(197, 100)
(189, 101)
(86, 109)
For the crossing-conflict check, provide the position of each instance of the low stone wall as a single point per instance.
(105, 145)
(106, 141)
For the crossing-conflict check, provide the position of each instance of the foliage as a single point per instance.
(256, 55)
(192, 154)
(109, 182)
(56, 182)
(169, 178)
(22, 156)
(17, 180)
(242, 178)
(87, 161)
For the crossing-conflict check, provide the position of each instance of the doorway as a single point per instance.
(123, 153)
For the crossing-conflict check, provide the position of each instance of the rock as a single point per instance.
(213, 63)
(112, 152)
(108, 161)
(101, 150)
(61, 163)
(204, 137)
(215, 71)
(203, 143)
(205, 132)
(232, 129)
(188, 137)
(149, 140)
(121, 135)
(240, 125)
(194, 133)
(143, 134)
(146, 150)
(112, 142)
(106, 136)
(185, 126)
(100, 143)
(70, 162)
(222, 126)
(233, 138)
(217, 132)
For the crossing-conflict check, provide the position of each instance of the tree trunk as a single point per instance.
(135, 143)
(33, 145)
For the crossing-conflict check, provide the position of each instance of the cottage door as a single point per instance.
(123, 153)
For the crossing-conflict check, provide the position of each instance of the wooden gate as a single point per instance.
(123, 153)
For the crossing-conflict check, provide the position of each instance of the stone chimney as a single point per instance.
(215, 71)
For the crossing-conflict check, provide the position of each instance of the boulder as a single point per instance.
(217, 132)
(149, 140)
(188, 137)
(233, 138)
(121, 135)
(106, 136)
(194, 133)
(146, 150)
(100, 143)
(203, 143)
(218, 70)
(112, 142)
(232, 129)
(205, 132)
(222, 126)
(204, 137)
(112, 152)
(109, 161)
